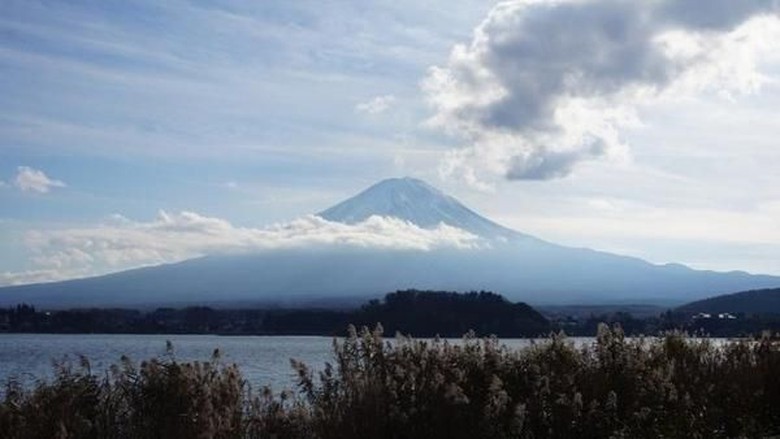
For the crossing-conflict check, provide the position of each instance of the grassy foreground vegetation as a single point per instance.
(423, 313)
(668, 387)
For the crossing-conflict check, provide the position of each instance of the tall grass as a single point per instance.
(668, 387)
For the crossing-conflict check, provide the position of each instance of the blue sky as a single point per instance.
(257, 113)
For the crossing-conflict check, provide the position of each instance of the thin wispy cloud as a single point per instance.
(377, 105)
(252, 83)
(34, 180)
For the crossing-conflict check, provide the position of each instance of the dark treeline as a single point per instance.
(738, 325)
(746, 302)
(421, 313)
(426, 314)
(670, 387)
(193, 320)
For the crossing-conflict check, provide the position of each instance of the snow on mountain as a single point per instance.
(417, 202)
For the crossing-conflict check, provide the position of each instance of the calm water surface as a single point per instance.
(262, 360)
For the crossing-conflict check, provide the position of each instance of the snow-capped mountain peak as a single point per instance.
(417, 202)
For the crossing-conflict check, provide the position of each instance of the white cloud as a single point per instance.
(544, 86)
(376, 105)
(33, 180)
(121, 243)
(38, 276)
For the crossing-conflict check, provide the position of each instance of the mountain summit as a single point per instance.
(417, 202)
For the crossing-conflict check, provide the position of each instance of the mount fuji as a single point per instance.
(517, 265)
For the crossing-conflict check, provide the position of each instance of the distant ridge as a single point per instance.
(766, 301)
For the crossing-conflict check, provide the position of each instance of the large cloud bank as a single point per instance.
(546, 85)
(121, 243)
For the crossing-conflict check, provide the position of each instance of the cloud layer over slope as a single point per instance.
(122, 243)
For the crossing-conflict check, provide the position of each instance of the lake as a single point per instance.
(264, 360)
